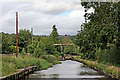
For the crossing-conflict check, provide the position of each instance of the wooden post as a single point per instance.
(32, 34)
(16, 34)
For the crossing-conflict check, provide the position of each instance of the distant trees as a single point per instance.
(68, 49)
(44, 45)
(41, 44)
(9, 41)
(5, 43)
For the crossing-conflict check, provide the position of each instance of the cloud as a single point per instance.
(41, 15)
(41, 0)
(54, 7)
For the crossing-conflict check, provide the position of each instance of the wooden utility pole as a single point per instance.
(16, 34)
(32, 34)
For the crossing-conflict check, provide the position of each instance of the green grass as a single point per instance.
(112, 70)
(11, 64)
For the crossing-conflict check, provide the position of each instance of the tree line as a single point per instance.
(41, 45)
(100, 34)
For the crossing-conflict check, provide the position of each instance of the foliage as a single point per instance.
(11, 63)
(101, 27)
(68, 49)
(47, 45)
(57, 53)
(41, 44)
(13, 49)
(38, 51)
(112, 70)
(50, 58)
(54, 35)
(31, 48)
(23, 51)
(24, 39)
(44, 46)
(5, 43)
(110, 55)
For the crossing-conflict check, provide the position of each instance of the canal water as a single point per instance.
(68, 69)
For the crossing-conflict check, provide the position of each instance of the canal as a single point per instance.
(68, 69)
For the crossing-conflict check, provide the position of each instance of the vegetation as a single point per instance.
(111, 70)
(11, 64)
(54, 36)
(100, 34)
(68, 49)
(99, 37)
(40, 51)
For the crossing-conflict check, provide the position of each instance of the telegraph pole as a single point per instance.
(16, 34)
(32, 34)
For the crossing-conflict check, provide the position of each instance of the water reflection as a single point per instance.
(68, 69)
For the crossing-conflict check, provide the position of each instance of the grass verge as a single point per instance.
(11, 64)
(107, 69)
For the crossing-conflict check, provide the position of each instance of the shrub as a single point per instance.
(13, 49)
(11, 63)
(57, 53)
(31, 48)
(49, 58)
(23, 51)
(110, 55)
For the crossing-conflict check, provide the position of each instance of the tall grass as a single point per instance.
(11, 64)
(112, 70)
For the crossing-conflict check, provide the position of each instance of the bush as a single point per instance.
(11, 63)
(31, 48)
(57, 53)
(110, 55)
(13, 49)
(50, 58)
(38, 52)
(23, 51)
(84, 55)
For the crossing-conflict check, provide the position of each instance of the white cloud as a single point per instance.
(42, 15)
(41, 0)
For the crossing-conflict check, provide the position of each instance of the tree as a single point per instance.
(54, 35)
(24, 39)
(47, 45)
(38, 51)
(99, 29)
(5, 43)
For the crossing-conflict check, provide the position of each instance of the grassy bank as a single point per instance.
(111, 70)
(11, 64)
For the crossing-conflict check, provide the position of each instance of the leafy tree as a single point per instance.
(38, 51)
(13, 49)
(5, 43)
(100, 28)
(24, 39)
(47, 45)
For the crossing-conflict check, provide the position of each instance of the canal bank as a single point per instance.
(109, 71)
(14, 68)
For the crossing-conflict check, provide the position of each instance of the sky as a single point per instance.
(41, 15)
